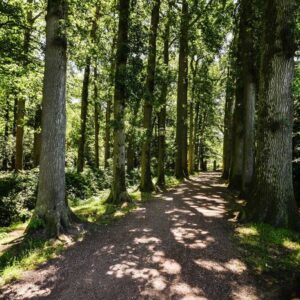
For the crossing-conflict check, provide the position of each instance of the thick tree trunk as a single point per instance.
(181, 169)
(228, 118)
(83, 115)
(272, 198)
(146, 178)
(118, 190)
(37, 137)
(96, 118)
(247, 40)
(51, 207)
(162, 113)
(237, 154)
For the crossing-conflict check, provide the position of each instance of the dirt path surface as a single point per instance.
(177, 246)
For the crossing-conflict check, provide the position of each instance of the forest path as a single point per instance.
(177, 246)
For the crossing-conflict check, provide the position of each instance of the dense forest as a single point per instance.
(120, 95)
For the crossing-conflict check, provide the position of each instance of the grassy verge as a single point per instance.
(270, 250)
(30, 253)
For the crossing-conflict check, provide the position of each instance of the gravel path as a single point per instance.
(177, 246)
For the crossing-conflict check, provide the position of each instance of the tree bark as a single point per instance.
(228, 128)
(181, 169)
(249, 82)
(146, 178)
(191, 146)
(118, 190)
(162, 112)
(109, 110)
(83, 114)
(51, 208)
(272, 197)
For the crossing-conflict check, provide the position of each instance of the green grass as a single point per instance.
(26, 256)
(269, 249)
(98, 211)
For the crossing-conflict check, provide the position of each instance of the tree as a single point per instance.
(118, 190)
(181, 168)
(20, 117)
(272, 197)
(51, 207)
(146, 180)
(85, 97)
(162, 110)
(247, 39)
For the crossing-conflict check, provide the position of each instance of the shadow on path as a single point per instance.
(177, 246)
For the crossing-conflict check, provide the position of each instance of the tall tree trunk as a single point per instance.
(181, 170)
(272, 198)
(85, 98)
(146, 178)
(196, 137)
(249, 64)
(51, 207)
(237, 154)
(118, 190)
(37, 136)
(162, 112)
(191, 146)
(228, 128)
(83, 114)
(96, 117)
(21, 98)
(109, 110)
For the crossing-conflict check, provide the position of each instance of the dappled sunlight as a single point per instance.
(176, 247)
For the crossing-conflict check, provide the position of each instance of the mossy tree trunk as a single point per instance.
(181, 168)
(272, 198)
(118, 190)
(51, 207)
(146, 178)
